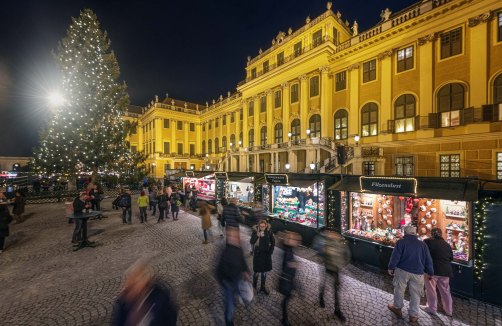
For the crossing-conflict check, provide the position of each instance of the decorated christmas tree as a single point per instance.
(86, 132)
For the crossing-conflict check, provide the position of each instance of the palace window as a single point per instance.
(317, 38)
(297, 49)
(216, 122)
(499, 166)
(166, 123)
(167, 166)
(232, 140)
(500, 26)
(224, 144)
(241, 114)
(451, 43)
(203, 127)
(216, 146)
(203, 148)
(369, 71)
(280, 59)
(278, 133)
(315, 126)
(180, 148)
(341, 124)
(294, 93)
(335, 36)
(263, 134)
(192, 126)
(153, 124)
(450, 102)
(295, 129)
(265, 67)
(369, 120)
(167, 150)
(450, 166)
(369, 168)
(497, 90)
(192, 149)
(232, 117)
(277, 96)
(263, 104)
(150, 126)
(180, 125)
(314, 86)
(251, 108)
(133, 149)
(209, 125)
(340, 81)
(224, 119)
(253, 73)
(405, 59)
(404, 113)
(210, 146)
(404, 166)
(251, 138)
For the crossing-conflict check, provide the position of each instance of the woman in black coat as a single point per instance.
(18, 210)
(175, 197)
(264, 243)
(5, 219)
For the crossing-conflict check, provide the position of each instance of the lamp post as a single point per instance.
(356, 138)
(287, 167)
(308, 132)
(312, 167)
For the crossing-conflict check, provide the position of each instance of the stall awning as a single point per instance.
(302, 183)
(464, 189)
(295, 180)
(202, 174)
(177, 175)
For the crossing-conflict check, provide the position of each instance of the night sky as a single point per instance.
(194, 50)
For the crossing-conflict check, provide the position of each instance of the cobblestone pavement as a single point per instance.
(44, 283)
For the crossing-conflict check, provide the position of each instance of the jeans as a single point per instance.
(443, 283)
(128, 209)
(77, 232)
(154, 205)
(416, 284)
(205, 235)
(142, 213)
(175, 212)
(263, 276)
(230, 290)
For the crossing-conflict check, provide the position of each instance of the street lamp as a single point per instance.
(312, 166)
(240, 143)
(289, 134)
(191, 167)
(207, 167)
(308, 132)
(231, 144)
(288, 166)
(356, 138)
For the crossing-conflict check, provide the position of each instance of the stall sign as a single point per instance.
(221, 176)
(276, 178)
(395, 185)
(189, 174)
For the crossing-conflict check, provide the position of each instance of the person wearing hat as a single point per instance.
(407, 264)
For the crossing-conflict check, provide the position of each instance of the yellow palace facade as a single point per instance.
(419, 94)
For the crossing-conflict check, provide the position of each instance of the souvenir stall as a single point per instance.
(372, 212)
(174, 176)
(205, 184)
(296, 202)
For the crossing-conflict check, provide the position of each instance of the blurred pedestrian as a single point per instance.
(175, 203)
(168, 191)
(409, 259)
(205, 215)
(289, 266)
(143, 204)
(162, 200)
(188, 193)
(95, 193)
(231, 269)
(19, 203)
(153, 199)
(80, 204)
(125, 203)
(221, 223)
(193, 199)
(337, 256)
(442, 256)
(231, 215)
(264, 242)
(5, 219)
(144, 303)
(145, 182)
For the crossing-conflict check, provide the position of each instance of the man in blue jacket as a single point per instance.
(408, 261)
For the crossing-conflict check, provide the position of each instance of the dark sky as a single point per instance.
(194, 50)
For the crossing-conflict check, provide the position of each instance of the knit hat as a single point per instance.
(142, 193)
(410, 229)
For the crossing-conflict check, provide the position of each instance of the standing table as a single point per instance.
(84, 217)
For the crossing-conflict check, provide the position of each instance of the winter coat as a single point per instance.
(125, 201)
(153, 195)
(175, 197)
(143, 201)
(158, 305)
(19, 203)
(5, 219)
(441, 255)
(232, 264)
(205, 216)
(288, 273)
(231, 216)
(263, 249)
(337, 254)
(163, 201)
(78, 205)
(95, 193)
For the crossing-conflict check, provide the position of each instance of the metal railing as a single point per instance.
(370, 151)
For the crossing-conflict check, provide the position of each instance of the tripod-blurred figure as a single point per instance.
(289, 266)
(144, 303)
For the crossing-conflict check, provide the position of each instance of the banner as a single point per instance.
(394, 185)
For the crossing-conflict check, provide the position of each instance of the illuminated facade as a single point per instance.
(422, 89)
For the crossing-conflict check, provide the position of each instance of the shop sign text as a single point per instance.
(395, 185)
(276, 178)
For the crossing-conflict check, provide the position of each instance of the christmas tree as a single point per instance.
(86, 132)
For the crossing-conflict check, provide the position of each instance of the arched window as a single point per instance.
(278, 133)
(315, 126)
(451, 97)
(497, 90)
(404, 113)
(241, 142)
(210, 146)
(203, 148)
(263, 134)
(232, 140)
(216, 146)
(224, 144)
(341, 124)
(251, 138)
(369, 120)
(314, 86)
(295, 129)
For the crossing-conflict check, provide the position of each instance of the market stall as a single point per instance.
(296, 202)
(371, 213)
(205, 184)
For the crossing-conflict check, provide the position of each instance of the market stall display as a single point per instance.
(204, 182)
(238, 185)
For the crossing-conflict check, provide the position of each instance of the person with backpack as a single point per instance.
(264, 242)
(143, 204)
(175, 203)
(162, 200)
(125, 203)
(205, 216)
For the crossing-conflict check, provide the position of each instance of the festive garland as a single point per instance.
(331, 221)
(479, 235)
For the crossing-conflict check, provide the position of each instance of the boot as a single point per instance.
(255, 281)
(263, 288)
(340, 315)
(321, 301)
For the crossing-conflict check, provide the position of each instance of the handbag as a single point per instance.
(245, 291)
(178, 203)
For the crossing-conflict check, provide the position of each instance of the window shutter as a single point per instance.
(444, 104)
(468, 116)
(373, 74)
(400, 66)
(417, 122)
(488, 113)
(433, 120)
(409, 63)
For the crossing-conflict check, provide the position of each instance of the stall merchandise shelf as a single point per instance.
(456, 216)
(363, 205)
(460, 230)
